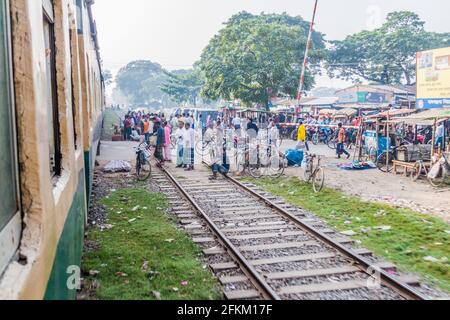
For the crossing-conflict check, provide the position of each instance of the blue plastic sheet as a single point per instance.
(294, 157)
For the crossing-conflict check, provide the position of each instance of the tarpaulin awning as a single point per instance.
(411, 121)
(394, 113)
(348, 112)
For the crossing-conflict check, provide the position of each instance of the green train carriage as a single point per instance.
(51, 103)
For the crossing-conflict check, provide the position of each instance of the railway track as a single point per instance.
(259, 247)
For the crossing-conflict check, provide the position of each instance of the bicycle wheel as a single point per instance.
(315, 139)
(201, 148)
(332, 144)
(239, 161)
(307, 175)
(281, 166)
(294, 135)
(138, 166)
(372, 156)
(143, 169)
(417, 171)
(255, 170)
(319, 180)
(383, 164)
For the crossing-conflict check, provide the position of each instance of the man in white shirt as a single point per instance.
(209, 139)
(135, 135)
(237, 124)
(209, 133)
(179, 138)
(274, 134)
(189, 145)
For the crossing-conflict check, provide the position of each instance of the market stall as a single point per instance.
(414, 156)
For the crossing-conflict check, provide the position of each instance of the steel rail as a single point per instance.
(256, 279)
(403, 289)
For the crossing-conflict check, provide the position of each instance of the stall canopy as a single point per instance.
(393, 113)
(365, 106)
(349, 112)
(411, 121)
(433, 114)
(329, 112)
(425, 118)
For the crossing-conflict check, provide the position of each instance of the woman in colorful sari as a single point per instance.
(167, 142)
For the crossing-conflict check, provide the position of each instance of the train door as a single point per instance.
(10, 218)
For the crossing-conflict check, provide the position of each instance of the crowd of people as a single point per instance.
(182, 131)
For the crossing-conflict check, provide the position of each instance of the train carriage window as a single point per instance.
(72, 87)
(10, 220)
(52, 103)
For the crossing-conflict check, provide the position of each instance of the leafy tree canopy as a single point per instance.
(184, 86)
(386, 55)
(140, 81)
(256, 57)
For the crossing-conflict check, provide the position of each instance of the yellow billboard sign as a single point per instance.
(433, 78)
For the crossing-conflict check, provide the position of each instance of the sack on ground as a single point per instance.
(117, 166)
(435, 171)
(301, 145)
(294, 157)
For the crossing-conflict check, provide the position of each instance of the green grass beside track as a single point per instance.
(143, 256)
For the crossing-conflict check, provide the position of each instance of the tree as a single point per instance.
(254, 58)
(184, 86)
(140, 81)
(386, 55)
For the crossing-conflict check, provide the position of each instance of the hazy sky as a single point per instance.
(174, 32)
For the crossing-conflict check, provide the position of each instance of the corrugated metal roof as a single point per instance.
(364, 106)
(396, 89)
(292, 102)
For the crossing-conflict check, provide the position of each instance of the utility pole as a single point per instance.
(305, 60)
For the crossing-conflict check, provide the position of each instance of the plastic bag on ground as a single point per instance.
(117, 166)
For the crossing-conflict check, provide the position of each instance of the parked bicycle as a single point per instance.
(203, 147)
(332, 140)
(321, 136)
(385, 159)
(314, 173)
(143, 165)
(260, 161)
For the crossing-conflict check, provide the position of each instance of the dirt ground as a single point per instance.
(373, 185)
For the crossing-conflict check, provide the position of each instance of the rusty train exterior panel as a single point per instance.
(51, 69)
